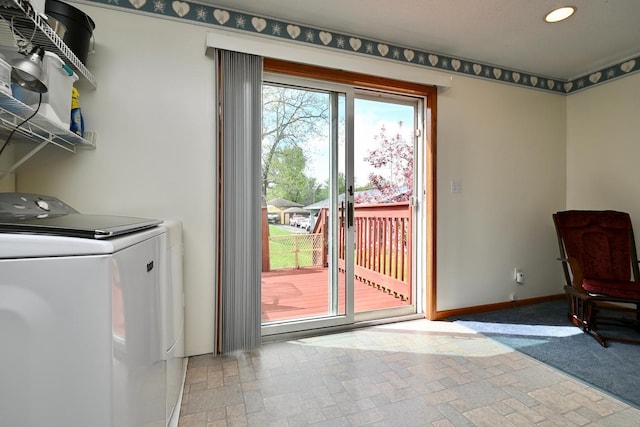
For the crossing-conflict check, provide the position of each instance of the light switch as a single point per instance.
(456, 186)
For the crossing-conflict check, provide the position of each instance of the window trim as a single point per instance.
(331, 58)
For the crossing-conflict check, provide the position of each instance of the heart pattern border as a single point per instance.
(350, 43)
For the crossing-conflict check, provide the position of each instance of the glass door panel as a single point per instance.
(303, 181)
(384, 177)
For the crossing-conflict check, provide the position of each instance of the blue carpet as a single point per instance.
(544, 332)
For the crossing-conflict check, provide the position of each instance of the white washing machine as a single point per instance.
(82, 330)
(172, 317)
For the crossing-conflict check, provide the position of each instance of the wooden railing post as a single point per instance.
(325, 236)
(383, 245)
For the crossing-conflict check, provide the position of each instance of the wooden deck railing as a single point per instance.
(383, 246)
(382, 253)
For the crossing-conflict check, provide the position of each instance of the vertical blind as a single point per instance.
(239, 225)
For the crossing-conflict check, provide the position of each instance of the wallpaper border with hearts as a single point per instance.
(269, 27)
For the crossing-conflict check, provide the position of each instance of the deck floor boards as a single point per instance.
(299, 293)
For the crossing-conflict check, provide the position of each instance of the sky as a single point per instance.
(369, 117)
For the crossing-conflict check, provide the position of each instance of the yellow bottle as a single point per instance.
(77, 121)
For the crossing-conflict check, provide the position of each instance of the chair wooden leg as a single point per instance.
(600, 338)
(583, 314)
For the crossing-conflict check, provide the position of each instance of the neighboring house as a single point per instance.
(315, 207)
(290, 213)
(279, 206)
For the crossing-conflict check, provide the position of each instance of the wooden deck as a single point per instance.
(301, 293)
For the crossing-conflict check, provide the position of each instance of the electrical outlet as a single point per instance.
(513, 296)
(518, 276)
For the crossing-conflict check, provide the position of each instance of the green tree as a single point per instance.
(287, 178)
(323, 191)
(290, 118)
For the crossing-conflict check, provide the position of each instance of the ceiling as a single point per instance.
(507, 33)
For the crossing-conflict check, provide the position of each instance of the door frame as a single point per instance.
(428, 240)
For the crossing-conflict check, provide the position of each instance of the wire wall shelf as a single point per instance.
(25, 23)
(38, 129)
(21, 28)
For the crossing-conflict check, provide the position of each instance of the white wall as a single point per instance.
(7, 183)
(603, 148)
(153, 113)
(506, 145)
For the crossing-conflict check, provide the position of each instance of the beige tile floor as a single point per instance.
(415, 373)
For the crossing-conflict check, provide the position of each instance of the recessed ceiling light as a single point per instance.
(560, 14)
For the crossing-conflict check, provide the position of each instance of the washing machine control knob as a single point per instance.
(43, 205)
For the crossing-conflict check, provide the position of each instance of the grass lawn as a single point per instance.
(282, 248)
(275, 230)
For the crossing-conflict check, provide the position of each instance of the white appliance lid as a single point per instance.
(78, 225)
(39, 214)
(30, 245)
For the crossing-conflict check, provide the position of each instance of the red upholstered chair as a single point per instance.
(600, 263)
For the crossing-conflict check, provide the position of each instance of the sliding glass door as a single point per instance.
(339, 185)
